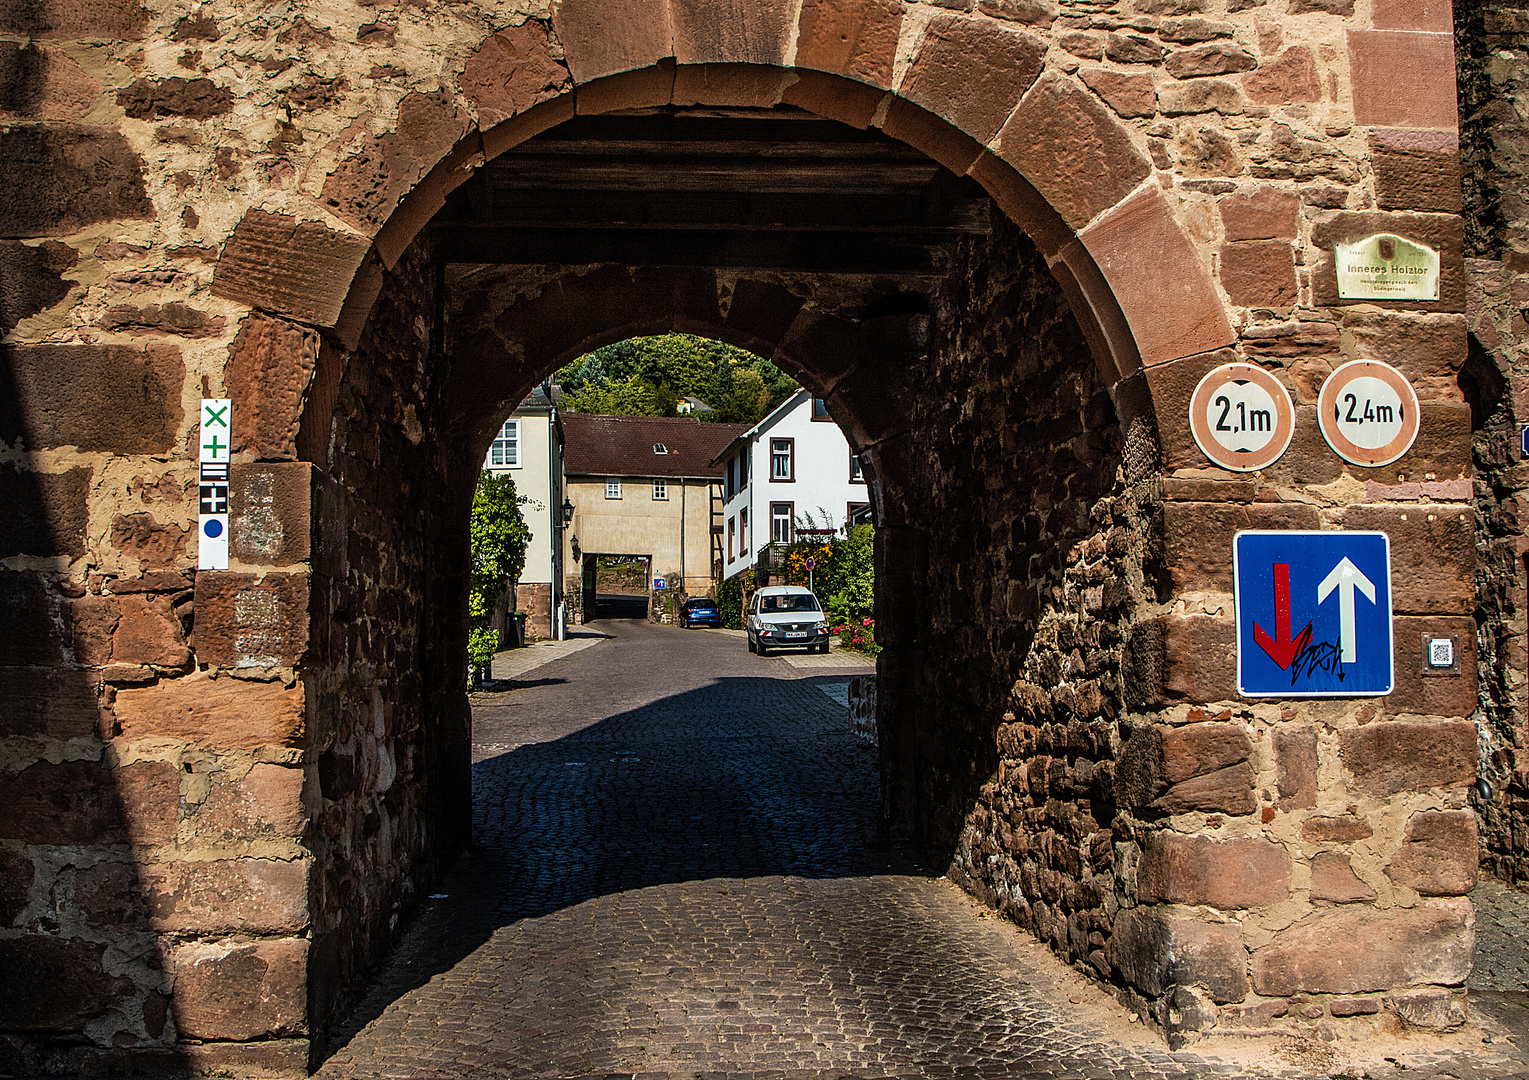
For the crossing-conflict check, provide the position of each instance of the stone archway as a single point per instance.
(1183, 179)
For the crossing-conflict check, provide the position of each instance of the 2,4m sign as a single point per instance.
(1313, 614)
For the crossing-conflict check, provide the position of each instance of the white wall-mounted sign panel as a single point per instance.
(1387, 267)
(215, 441)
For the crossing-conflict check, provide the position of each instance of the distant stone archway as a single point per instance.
(1093, 774)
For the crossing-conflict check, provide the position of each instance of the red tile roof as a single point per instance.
(623, 445)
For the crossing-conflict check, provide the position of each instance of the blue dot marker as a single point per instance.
(213, 529)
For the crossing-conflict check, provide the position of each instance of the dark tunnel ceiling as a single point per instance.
(769, 189)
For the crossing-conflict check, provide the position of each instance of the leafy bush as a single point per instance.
(858, 635)
(730, 596)
(499, 537)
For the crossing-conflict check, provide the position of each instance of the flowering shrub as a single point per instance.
(859, 635)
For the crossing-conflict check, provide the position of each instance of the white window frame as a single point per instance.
(660, 491)
(505, 444)
(613, 489)
(789, 517)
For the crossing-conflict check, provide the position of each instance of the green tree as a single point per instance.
(855, 563)
(499, 537)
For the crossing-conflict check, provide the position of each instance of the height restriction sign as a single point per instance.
(1313, 614)
(1241, 417)
(1368, 412)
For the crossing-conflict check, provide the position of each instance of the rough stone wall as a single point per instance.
(1492, 43)
(1029, 597)
(385, 716)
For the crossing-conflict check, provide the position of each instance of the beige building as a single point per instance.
(644, 486)
(529, 448)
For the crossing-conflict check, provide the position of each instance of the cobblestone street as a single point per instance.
(676, 874)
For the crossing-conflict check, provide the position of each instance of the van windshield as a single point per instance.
(794, 602)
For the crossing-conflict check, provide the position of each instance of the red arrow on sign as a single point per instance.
(1280, 648)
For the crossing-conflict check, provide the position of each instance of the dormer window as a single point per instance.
(660, 449)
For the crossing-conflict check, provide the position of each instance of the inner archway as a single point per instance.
(980, 415)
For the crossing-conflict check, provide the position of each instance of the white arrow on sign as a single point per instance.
(1346, 577)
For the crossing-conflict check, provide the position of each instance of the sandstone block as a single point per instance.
(53, 984)
(1358, 949)
(1259, 273)
(157, 548)
(1428, 349)
(731, 31)
(270, 365)
(832, 98)
(48, 703)
(96, 20)
(33, 276)
(1434, 15)
(250, 896)
(1433, 562)
(1340, 829)
(1390, 756)
(158, 319)
(80, 802)
(271, 513)
(1201, 96)
(1077, 155)
(1439, 854)
(111, 894)
(1197, 749)
(1199, 536)
(241, 993)
(1333, 878)
(1181, 658)
(1230, 875)
(1263, 213)
(1228, 790)
(854, 38)
(1433, 695)
(1442, 232)
(1434, 1008)
(1289, 77)
(1212, 58)
(224, 713)
(1375, 58)
(1155, 951)
(34, 620)
(1132, 49)
(301, 269)
(1128, 95)
(1416, 170)
(243, 621)
(16, 876)
(116, 398)
(602, 38)
(1354, 1006)
(1030, 12)
(267, 802)
(148, 632)
(194, 99)
(1295, 757)
(511, 72)
(1164, 290)
(73, 175)
(972, 72)
(46, 513)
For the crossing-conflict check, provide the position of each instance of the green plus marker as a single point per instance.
(214, 446)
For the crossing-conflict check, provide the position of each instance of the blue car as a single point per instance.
(700, 612)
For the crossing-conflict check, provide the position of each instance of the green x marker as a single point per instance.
(215, 416)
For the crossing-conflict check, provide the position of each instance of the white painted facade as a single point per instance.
(794, 463)
(529, 449)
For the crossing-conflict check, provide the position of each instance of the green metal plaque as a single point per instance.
(1387, 267)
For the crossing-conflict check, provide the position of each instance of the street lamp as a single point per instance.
(567, 509)
(576, 548)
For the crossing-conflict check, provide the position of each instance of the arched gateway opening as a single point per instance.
(998, 274)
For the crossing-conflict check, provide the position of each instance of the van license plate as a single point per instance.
(790, 637)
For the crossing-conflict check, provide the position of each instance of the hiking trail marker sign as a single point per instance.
(215, 435)
(1313, 614)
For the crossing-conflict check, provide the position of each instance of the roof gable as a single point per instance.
(597, 445)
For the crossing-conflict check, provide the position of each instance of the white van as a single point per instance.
(786, 615)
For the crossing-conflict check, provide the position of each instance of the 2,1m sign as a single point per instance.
(1313, 614)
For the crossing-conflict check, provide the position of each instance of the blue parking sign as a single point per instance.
(1313, 614)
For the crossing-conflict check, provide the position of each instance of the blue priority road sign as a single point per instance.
(1313, 614)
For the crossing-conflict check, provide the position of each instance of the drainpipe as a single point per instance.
(682, 533)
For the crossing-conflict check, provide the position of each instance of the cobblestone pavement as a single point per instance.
(675, 875)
